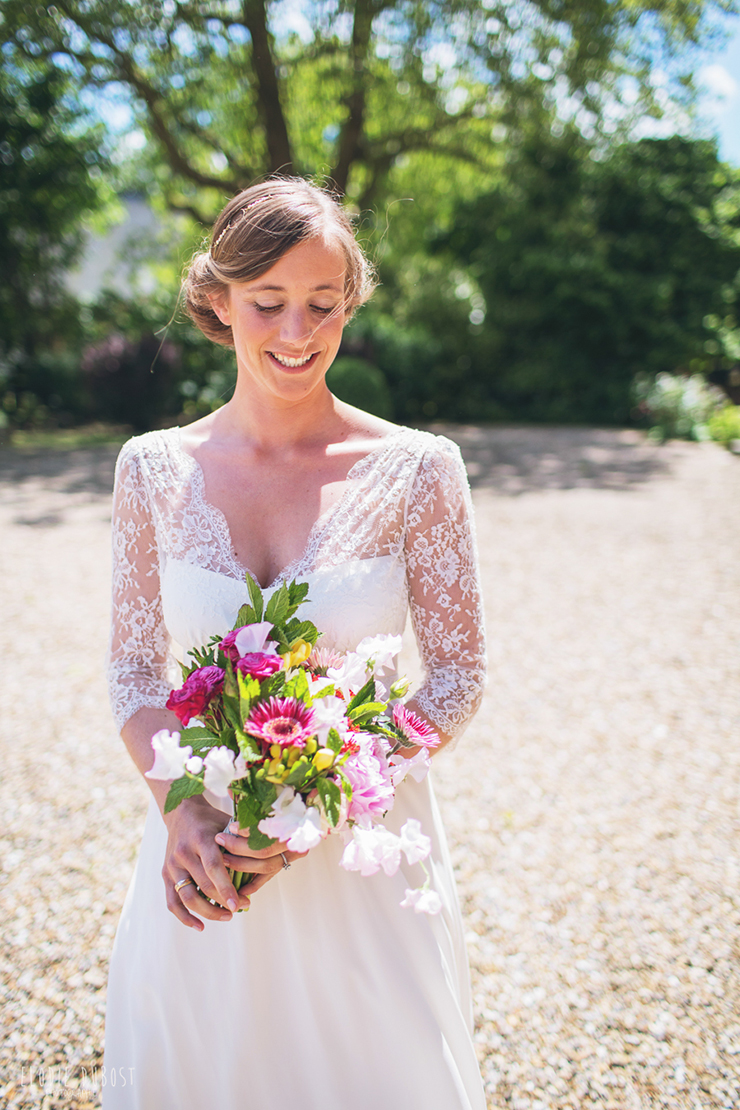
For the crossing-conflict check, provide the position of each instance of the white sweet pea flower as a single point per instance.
(309, 832)
(317, 683)
(351, 675)
(422, 901)
(253, 637)
(328, 713)
(416, 765)
(370, 849)
(413, 842)
(169, 758)
(380, 651)
(220, 771)
(286, 816)
(194, 765)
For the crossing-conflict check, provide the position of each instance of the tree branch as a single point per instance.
(270, 109)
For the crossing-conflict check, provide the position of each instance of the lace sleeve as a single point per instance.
(139, 658)
(444, 590)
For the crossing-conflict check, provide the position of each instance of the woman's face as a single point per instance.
(287, 324)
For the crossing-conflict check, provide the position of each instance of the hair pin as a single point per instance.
(242, 212)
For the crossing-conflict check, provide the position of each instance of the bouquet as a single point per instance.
(304, 740)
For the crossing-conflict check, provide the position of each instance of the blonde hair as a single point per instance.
(255, 229)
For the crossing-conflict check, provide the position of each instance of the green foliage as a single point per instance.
(677, 406)
(724, 426)
(50, 164)
(225, 93)
(185, 787)
(361, 384)
(592, 270)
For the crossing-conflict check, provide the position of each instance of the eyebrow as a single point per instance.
(332, 287)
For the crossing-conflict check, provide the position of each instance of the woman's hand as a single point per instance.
(263, 864)
(193, 854)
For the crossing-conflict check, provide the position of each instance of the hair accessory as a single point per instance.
(242, 212)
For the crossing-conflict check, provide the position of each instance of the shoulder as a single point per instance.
(150, 450)
(428, 450)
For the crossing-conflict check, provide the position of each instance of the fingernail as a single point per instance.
(220, 840)
(232, 904)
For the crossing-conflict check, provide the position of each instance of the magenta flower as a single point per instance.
(259, 665)
(195, 694)
(413, 727)
(284, 721)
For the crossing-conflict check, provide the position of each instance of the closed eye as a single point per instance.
(267, 307)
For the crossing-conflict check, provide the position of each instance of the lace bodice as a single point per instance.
(401, 535)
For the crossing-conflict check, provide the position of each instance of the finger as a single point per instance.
(251, 865)
(213, 879)
(196, 901)
(235, 839)
(177, 907)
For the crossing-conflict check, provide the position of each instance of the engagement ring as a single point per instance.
(286, 865)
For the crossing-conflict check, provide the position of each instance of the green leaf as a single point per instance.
(257, 840)
(301, 630)
(249, 689)
(255, 595)
(346, 784)
(181, 789)
(246, 615)
(248, 812)
(297, 594)
(274, 685)
(367, 709)
(231, 709)
(297, 686)
(331, 797)
(277, 606)
(230, 686)
(334, 740)
(298, 772)
(199, 739)
(248, 746)
(365, 693)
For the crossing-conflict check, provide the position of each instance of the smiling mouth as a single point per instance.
(292, 363)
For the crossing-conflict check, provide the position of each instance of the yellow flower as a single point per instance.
(324, 758)
(298, 653)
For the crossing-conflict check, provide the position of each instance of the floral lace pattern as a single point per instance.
(408, 499)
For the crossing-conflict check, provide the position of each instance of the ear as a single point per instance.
(220, 305)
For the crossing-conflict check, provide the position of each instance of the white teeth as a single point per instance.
(285, 361)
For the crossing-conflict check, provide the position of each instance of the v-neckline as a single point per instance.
(318, 525)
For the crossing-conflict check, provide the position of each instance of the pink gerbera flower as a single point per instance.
(321, 659)
(413, 728)
(284, 721)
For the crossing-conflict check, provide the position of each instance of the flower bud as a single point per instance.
(400, 688)
(311, 745)
(324, 758)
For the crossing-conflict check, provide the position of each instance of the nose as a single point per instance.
(295, 325)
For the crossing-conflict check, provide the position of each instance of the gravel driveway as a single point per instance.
(592, 806)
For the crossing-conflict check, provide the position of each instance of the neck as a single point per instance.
(275, 424)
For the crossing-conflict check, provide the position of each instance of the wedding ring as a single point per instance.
(286, 865)
(184, 882)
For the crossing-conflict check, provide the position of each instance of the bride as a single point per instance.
(326, 994)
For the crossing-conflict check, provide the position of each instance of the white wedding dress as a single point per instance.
(326, 994)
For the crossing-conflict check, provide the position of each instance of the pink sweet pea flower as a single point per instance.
(169, 758)
(249, 638)
(222, 767)
(413, 842)
(422, 901)
(196, 693)
(372, 788)
(417, 766)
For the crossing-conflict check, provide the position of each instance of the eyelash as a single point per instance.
(270, 308)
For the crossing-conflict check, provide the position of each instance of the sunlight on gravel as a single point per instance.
(592, 807)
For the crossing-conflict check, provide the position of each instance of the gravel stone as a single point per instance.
(592, 807)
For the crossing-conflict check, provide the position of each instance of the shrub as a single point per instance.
(724, 426)
(130, 381)
(676, 405)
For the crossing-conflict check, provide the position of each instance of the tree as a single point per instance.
(227, 90)
(595, 270)
(48, 165)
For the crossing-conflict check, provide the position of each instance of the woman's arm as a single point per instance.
(444, 592)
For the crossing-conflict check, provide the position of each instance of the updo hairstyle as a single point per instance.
(256, 228)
